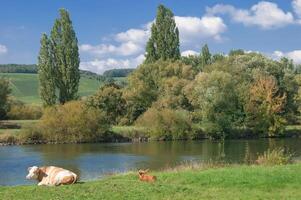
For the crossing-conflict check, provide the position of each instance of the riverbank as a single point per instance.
(232, 182)
(12, 133)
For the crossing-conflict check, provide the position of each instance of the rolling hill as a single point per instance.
(25, 86)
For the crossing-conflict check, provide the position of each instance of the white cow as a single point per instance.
(51, 176)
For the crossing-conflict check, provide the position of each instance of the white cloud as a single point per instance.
(132, 42)
(189, 53)
(101, 65)
(294, 55)
(297, 7)
(194, 29)
(133, 35)
(3, 49)
(124, 49)
(264, 14)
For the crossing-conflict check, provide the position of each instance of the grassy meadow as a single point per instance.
(231, 182)
(25, 86)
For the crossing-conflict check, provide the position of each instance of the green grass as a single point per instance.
(25, 86)
(9, 131)
(235, 182)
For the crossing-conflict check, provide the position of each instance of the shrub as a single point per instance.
(20, 111)
(8, 138)
(166, 123)
(31, 135)
(274, 157)
(72, 122)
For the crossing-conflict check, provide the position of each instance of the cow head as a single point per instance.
(33, 172)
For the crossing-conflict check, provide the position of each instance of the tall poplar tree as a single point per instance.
(164, 41)
(46, 73)
(205, 56)
(65, 57)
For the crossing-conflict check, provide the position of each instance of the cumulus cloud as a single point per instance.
(189, 53)
(101, 65)
(126, 48)
(3, 49)
(194, 29)
(297, 7)
(266, 15)
(294, 55)
(132, 42)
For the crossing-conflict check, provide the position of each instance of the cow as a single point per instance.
(51, 176)
(144, 177)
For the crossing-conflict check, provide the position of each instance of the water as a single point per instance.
(93, 161)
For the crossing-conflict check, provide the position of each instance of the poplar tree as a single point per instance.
(164, 40)
(46, 73)
(205, 56)
(65, 57)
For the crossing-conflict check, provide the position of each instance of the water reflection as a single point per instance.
(92, 161)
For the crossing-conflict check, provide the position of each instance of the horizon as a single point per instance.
(106, 42)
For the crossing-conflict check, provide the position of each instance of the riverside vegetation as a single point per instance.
(168, 97)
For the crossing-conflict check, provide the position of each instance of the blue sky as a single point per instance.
(113, 33)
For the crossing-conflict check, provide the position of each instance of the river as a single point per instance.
(94, 161)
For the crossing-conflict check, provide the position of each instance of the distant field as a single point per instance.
(25, 86)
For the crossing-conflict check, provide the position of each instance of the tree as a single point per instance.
(4, 94)
(164, 41)
(66, 60)
(46, 73)
(265, 105)
(109, 100)
(205, 56)
(216, 104)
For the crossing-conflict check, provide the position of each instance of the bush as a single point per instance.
(166, 123)
(8, 138)
(31, 135)
(72, 122)
(274, 157)
(20, 111)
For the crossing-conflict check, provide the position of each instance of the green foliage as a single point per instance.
(149, 81)
(65, 57)
(166, 123)
(58, 65)
(109, 100)
(274, 157)
(18, 68)
(72, 122)
(164, 41)
(118, 72)
(46, 73)
(5, 91)
(215, 102)
(205, 56)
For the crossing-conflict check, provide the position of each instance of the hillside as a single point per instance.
(25, 86)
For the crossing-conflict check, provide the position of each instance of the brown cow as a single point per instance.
(51, 176)
(144, 177)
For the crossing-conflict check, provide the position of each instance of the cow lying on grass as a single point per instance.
(51, 176)
(144, 177)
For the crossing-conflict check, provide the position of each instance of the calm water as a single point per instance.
(93, 161)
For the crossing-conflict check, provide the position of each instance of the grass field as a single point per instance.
(25, 86)
(233, 182)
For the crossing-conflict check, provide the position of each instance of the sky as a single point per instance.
(113, 33)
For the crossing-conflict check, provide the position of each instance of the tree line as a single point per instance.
(173, 97)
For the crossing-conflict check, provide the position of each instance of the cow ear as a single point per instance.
(29, 168)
